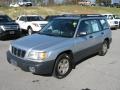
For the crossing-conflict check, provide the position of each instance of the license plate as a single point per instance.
(12, 32)
(13, 62)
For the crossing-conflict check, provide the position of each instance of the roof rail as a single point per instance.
(90, 14)
(83, 15)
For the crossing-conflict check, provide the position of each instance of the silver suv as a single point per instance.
(61, 44)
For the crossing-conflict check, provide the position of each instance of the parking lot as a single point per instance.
(96, 73)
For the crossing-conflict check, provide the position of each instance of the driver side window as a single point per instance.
(85, 26)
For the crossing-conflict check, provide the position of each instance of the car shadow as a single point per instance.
(8, 39)
(12, 38)
(84, 59)
(81, 61)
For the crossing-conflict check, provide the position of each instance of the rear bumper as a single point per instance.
(31, 66)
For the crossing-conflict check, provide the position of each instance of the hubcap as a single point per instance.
(63, 66)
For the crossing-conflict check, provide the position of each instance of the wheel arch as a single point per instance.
(28, 27)
(70, 53)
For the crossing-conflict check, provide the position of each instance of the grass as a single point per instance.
(51, 10)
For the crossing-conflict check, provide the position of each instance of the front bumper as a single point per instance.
(114, 26)
(31, 66)
(10, 33)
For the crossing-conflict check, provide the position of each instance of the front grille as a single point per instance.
(116, 22)
(10, 27)
(18, 52)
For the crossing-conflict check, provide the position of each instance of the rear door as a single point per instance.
(98, 34)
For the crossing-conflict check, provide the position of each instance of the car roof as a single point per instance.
(67, 17)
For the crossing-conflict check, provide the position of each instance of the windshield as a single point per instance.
(5, 19)
(116, 16)
(60, 28)
(34, 18)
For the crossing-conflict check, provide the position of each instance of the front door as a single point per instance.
(84, 40)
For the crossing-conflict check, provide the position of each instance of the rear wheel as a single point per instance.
(63, 66)
(104, 48)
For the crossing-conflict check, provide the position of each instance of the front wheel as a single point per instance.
(30, 31)
(104, 48)
(63, 66)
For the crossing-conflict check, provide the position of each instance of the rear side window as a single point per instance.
(104, 24)
(95, 26)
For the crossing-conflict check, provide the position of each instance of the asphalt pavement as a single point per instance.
(95, 73)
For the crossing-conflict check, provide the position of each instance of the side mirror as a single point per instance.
(81, 34)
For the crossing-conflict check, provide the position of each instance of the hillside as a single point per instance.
(14, 12)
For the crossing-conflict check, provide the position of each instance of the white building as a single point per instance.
(62, 1)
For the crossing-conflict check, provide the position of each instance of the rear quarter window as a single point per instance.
(95, 26)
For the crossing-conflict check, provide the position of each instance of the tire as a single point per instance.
(63, 66)
(114, 28)
(30, 31)
(104, 48)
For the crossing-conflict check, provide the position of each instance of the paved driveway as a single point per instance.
(96, 73)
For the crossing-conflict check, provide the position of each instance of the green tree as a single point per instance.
(103, 1)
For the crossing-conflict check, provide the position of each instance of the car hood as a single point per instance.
(8, 23)
(38, 42)
(117, 19)
(40, 22)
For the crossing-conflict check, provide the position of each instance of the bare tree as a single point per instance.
(50, 2)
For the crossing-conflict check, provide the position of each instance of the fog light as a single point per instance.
(32, 69)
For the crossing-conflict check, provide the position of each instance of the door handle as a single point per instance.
(90, 36)
(102, 33)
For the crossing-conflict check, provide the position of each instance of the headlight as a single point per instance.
(18, 27)
(37, 55)
(116, 22)
(10, 48)
(2, 28)
(35, 24)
